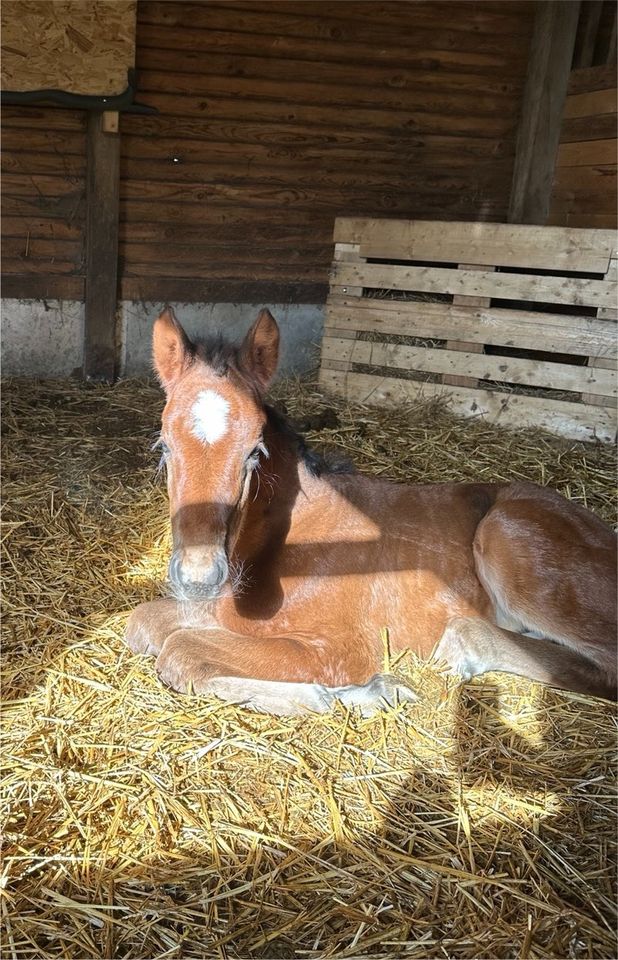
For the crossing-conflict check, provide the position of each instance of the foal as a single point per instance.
(285, 570)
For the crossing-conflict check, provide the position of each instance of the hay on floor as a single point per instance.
(139, 823)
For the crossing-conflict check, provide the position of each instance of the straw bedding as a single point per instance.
(139, 823)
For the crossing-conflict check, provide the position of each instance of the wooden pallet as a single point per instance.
(491, 285)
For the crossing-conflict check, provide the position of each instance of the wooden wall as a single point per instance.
(274, 118)
(584, 189)
(43, 202)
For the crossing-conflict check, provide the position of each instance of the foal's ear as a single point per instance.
(260, 349)
(171, 348)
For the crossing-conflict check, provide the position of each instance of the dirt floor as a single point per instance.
(138, 823)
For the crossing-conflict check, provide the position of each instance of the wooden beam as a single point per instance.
(549, 65)
(102, 214)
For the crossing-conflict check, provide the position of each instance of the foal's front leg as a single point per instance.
(151, 623)
(241, 670)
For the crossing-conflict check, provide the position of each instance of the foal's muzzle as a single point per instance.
(198, 573)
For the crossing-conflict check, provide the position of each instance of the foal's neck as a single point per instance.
(283, 479)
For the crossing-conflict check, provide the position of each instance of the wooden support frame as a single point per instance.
(103, 191)
(522, 367)
(549, 66)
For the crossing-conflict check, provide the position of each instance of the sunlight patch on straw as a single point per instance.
(139, 823)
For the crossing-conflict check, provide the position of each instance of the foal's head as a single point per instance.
(211, 437)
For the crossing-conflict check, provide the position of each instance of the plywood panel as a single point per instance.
(78, 46)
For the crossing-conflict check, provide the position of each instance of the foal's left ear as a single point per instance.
(260, 349)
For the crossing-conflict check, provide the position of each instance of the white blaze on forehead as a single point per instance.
(209, 416)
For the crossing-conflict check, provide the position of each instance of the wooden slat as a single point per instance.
(583, 336)
(573, 420)
(592, 78)
(506, 286)
(590, 104)
(455, 380)
(194, 290)
(586, 153)
(42, 287)
(493, 244)
(502, 369)
(580, 336)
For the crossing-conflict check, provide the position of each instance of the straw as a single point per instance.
(138, 823)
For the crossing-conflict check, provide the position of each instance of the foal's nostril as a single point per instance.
(198, 577)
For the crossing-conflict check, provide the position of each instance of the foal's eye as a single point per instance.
(165, 451)
(254, 457)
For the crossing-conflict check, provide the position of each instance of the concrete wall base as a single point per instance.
(44, 338)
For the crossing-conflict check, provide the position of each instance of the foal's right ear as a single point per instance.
(172, 351)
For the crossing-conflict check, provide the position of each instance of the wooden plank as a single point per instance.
(193, 290)
(101, 251)
(465, 345)
(576, 421)
(462, 100)
(602, 127)
(590, 104)
(586, 153)
(363, 179)
(585, 181)
(43, 249)
(253, 193)
(40, 227)
(261, 43)
(609, 316)
(227, 270)
(549, 65)
(202, 147)
(583, 336)
(25, 265)
(344, 22)
(347, 253)
(505, 286)
(446, 72)
(42, 287)
(502, 369)
(592, 78)
(436, 120)
(493, 244)
(575, 218)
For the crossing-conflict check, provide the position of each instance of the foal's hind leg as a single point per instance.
(240, 670)
(549, 567)
(473, 646)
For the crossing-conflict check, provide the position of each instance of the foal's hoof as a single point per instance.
(182, 664)
(382, 690)
(149, 625)
(458, 648)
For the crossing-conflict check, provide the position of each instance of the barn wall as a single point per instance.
(43, 202)
(584, 189)
(277, 117)
(274, 118)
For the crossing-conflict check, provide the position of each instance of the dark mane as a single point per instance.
(218, 353)
(315, 462)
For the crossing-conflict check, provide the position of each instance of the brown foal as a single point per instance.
(286, 569)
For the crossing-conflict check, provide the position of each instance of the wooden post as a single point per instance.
(549, 66)
(103, 192)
